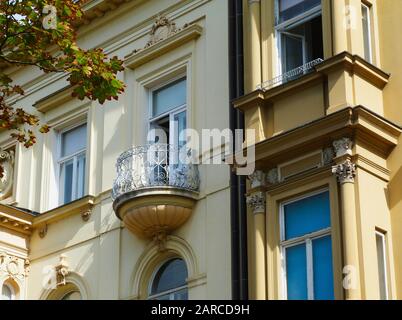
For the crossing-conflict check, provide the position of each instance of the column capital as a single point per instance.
(343, 147)
(250, 2)
(256, 201)
(345, 171)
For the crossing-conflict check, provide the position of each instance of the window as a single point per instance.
(299, 32)
(366, 21)
(306, 248)
(72, 160)
(168, 112)
(7, 292)
(382, 264)
(73, 295)
(169, 282)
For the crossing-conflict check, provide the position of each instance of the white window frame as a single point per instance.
(370, 36)
(61, 160)
(170, 292)
(383, 236)
(280, 28)
(306, 239)
(171, 113)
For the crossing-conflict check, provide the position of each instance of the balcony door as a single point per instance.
(168, 119)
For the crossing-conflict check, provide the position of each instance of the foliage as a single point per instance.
(42, 33)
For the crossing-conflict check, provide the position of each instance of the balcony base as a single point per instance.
(153, 212)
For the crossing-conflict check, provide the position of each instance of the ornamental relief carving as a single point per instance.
(6, 180)
(345, 171)
(256, 201)
(13, 267)
(162, 29)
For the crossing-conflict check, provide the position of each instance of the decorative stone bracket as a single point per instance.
(62, 271)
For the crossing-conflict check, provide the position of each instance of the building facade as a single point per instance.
(94, 210)
(102, 207)
(322, 83)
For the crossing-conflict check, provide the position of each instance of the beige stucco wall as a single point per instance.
(102, 255)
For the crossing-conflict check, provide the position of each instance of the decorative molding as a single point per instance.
(43, 231)
(273, 176)
(149, 52)
(256, 201)
(327, 155)
(7, 180)
(62, 271)
(15, 219)
(86, 214)
(13, 267)
(345, 171)
(257, 179)
(343, 147)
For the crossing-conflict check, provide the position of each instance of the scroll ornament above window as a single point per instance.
(6, 173)
(162, 29)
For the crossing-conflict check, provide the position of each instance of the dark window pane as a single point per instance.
(289, 9)
(171, 275)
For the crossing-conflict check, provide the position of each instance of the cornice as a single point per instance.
(81, 206)
(16, 219)
(138, 58)
(54, 100)
(376, 132)
(346, 61)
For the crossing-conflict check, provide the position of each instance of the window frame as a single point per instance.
(283, 27)
(62, 160)
(169, 292)
(383, 236)
(368, 7)
(306, 239)
(170, 113)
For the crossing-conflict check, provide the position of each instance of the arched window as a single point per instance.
(7, 292)
(169, 282)
(73, 295)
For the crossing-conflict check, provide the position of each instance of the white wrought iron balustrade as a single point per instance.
(290, 75)
(155, 165)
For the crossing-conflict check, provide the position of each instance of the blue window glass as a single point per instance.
(322, 266)
(307, 215)
(296, 272)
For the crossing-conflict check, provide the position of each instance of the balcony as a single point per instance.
(154, 193)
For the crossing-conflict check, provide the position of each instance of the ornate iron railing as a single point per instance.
(155, 165)
(290, 75)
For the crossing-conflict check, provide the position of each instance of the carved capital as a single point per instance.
(256, 201)
(345, 171)
(257, 179)
(343, 147)
(273, 176)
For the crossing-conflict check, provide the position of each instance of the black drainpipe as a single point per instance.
(237, 183)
